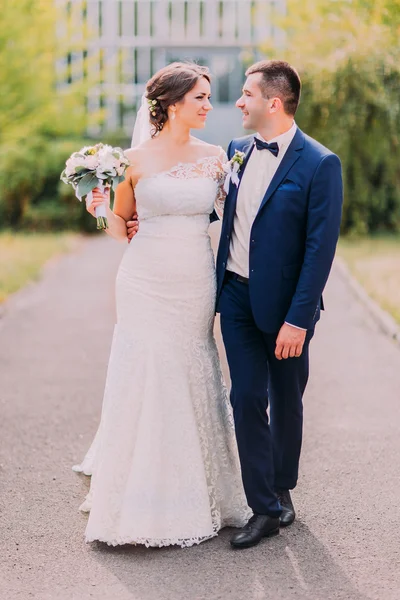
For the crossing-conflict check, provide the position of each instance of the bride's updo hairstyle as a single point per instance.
(169, 86)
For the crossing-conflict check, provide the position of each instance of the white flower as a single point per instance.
(91, 161)
(104, 166)
(73, 162)
(232, 169)
(107, 161)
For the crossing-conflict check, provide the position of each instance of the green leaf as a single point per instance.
(87, 184)
(117, 180)
(81, 170)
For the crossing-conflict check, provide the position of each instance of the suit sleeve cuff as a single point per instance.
(295, 326)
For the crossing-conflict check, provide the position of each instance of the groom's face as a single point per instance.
(255, 108)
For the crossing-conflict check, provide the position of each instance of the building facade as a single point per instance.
(126, 41)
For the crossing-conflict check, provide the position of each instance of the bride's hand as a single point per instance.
(132, 227)
(99, 198)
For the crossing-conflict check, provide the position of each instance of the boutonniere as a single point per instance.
(232, 169)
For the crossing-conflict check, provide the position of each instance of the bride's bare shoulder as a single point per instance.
(142, 150)
(138, 156)
(134, 154)
(135, 157)
(209, 149)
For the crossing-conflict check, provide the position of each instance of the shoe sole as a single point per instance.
(269, 534)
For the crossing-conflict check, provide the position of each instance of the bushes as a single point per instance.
(355, 112)
(31, 193)
(54, 216)
(348, 57)
(41, 118)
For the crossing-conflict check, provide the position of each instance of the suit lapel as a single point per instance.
(248, 149)
(292, 154)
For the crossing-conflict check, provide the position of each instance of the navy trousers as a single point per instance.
(269, 451)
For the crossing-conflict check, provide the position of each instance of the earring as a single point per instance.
(173, 115)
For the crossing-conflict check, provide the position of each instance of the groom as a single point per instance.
(278, 239)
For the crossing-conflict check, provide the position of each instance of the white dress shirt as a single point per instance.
(257, 176)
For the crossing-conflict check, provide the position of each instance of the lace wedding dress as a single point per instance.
(164, 462)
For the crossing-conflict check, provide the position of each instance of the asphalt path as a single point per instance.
(55, 338)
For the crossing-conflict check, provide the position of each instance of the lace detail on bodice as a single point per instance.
(152, 190)
(205, 166)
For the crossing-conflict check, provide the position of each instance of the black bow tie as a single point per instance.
(273, 148)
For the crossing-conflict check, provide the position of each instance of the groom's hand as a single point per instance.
(132, 227)
(290, 341)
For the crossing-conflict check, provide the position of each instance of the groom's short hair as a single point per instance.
(279, 79)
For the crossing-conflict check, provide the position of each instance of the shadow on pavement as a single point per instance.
(293, 565)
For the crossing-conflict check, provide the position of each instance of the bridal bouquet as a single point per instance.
(99, 166)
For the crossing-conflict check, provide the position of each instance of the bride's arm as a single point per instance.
(124, 205)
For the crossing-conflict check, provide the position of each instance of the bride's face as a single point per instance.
(194, 108)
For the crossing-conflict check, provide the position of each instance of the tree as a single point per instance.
(349, 60)
(41, 114)
(32, 71)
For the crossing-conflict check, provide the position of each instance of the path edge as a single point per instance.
(382, 318)
(13, 299)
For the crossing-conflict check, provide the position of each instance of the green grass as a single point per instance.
(375, 262)
(22, 256)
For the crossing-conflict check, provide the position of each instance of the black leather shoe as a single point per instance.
(257, 528)
(288, 514)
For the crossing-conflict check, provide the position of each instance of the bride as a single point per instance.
(164, 462)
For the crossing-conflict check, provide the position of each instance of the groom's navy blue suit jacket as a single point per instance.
(294, 235)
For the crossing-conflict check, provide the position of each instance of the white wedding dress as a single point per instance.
(164, 462)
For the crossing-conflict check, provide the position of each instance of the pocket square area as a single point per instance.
(289, 186)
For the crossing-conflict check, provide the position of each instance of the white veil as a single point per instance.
(142, 128)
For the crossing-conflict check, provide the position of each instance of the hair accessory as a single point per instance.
(152, 104)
